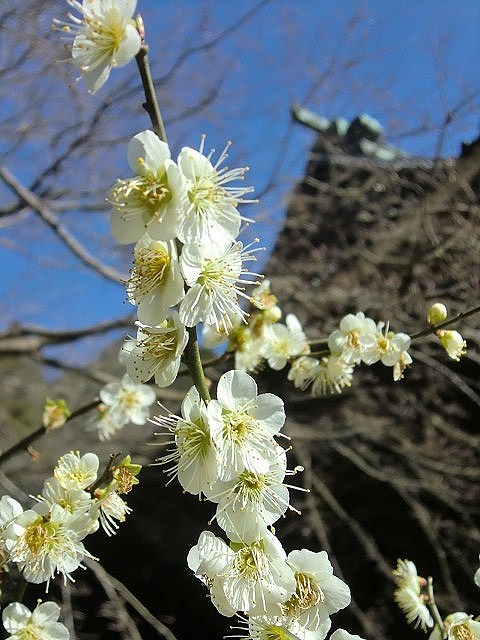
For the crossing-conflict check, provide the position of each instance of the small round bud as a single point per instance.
(437, 313)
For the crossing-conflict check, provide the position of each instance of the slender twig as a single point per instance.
(151, 104)
(113, 586)
(47, 215)
(194, 364)
(445, 323)
(27, 441)
(434, 609)
(192, 352)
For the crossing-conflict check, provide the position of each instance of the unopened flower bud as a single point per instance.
(453, 343)
(437, 313)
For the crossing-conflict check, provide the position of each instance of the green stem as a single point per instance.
(194, 364)
(445, 323)
(192, 351)
(151, 104)
(27, 441)
(434, 609)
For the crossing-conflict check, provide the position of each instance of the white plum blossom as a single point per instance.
(406, 576)
(303, 371)
(453, 343)
(104, 37)
(242, 424)
(211, 216)
(128, 400)
(282, 341)
(390, 348)
(254, 578)
(153, 200)
(348, 341)
(105, 423)
(332, 376)
(74, 471)
(318, 594)
(75, 501)
(409, 596)
(216, 278)
(122, 402)
(46, 544)
(39, 624)
(278, 628)
(157, 351)
(110, 509)
(192, 457)
(250, 502)
(155, 282)
(248, 349)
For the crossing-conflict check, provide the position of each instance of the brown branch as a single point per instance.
(29, 339)
(113, 588)
(45, 213)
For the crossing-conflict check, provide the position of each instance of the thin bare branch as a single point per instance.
(39, 207)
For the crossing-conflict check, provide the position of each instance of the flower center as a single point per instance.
(151, 270)
(39, 536)
(308, 594)
(249, 486)
(143, 195)
(158, 346)
(108, 33)
(194, 439)
(237, 427)
(462, 632)
(353, 339)
(204, 193)
(251, 563)
(30, 632)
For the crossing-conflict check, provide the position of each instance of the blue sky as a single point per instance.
(407, 63)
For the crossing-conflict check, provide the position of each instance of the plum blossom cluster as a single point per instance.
(265, 340)
(414, 595)
(188, 263)
(226, 450)
(47, 539)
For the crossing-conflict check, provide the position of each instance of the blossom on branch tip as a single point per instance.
(453, 343)
(153, 200)
(437, 313)
(409, 595)
(104, 37)
(39, 624)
